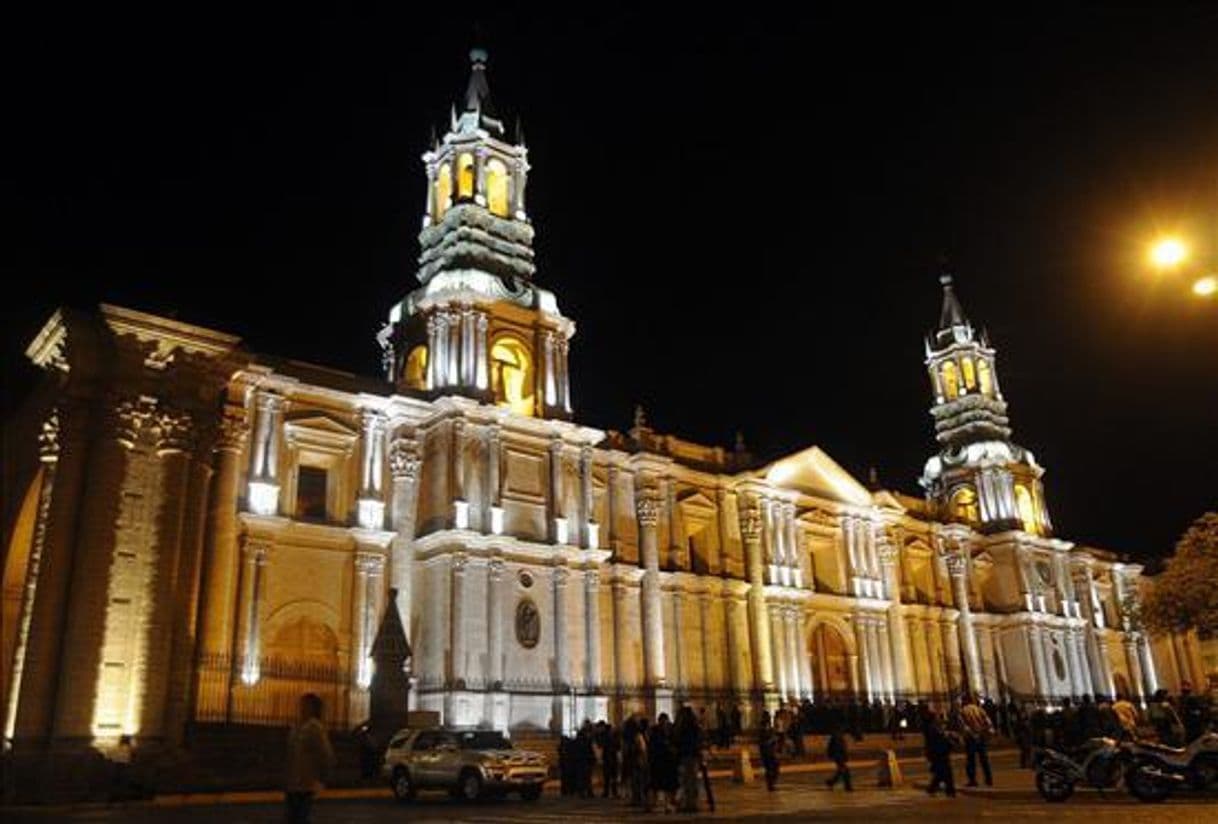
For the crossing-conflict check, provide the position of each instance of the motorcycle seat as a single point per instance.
(1162, 749)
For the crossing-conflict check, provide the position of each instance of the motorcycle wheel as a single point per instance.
(1205, 773)
(1145, 787)
(1053, 788)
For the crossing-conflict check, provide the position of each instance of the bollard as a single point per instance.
(890, 770)
(742, 770)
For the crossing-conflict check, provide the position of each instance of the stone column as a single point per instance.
(647, 505)
(492, 513)
(48, 454)
(902, 663)
(454, 348)
(678, 639)
(619, 624)
(1037, 650)
(676, 550)
(1135, 668)
(460, 504)
(920, 658)
(864, 653)
(886, 657)
(957, 566)
(558, 519)
(551, 384)
(1078, 673)
(404, 466)
(759, 635)
(365, 603)
(263, 492)
(934, 663)
(481, 356)
(879, 686)
(255, 552)
(704, 618)
(494, 622)
(778, 648)
(565, 378)
(587, 527)
(434, 357)
(592, 628)
(805, 658)
(221, 573)
(798, 688)
(457, 641)
(562, 662)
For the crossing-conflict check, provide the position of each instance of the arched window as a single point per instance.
(1026, 508)
(465, 175)
(497, 181)
(951, 381)
(443, 191)
(964, 505)
(984, 379)
(966, 369)
(512, 375)
(416, 368)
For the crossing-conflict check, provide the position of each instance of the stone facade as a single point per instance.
(208, 532)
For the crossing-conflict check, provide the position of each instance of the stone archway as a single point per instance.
(831, 665)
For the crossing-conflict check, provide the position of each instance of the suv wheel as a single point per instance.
(403, 787)
(471, 785)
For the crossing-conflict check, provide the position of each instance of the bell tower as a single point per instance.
(478, 325)
(980, 476)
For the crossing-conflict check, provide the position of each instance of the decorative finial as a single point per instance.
(478, 57)
(946, 279)
(640, 417)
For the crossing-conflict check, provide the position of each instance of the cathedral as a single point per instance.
(198, 533)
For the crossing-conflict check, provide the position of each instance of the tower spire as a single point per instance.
(952, 313)
(478, 92)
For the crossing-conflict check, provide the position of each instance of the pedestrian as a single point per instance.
(724, 728)
(1162, 716)
(662, 759)
(836, 750)
(1194, 712)
(977, 728)
(1021, 723)
(585, 760)
(795, 729)
(1127, 717)
(688, 737)
(1088, 720)
(767, 742)
(737, 724)
(939, 756)
(634, 734)
(1110, 725)
(610, 744)
(310, 760)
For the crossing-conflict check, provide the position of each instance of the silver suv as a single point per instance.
(468, 764)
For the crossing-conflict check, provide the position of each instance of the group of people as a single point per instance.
(658, 765)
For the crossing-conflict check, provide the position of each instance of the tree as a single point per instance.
(1185, 595)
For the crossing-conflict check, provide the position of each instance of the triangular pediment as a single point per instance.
(814, 473)
(318, 422)
(696, 500)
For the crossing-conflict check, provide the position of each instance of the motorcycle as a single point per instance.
(1098, 763)
(1155, 770)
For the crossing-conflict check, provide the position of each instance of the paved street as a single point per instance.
(801, 796)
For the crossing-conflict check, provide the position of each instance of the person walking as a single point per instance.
(767, 742)
(635, 735)
(1021, 723)
(737, 724)
(724, 728)
(977, 728)
(837, 752)
(310, 760)
(610, 744)
(688, 735)
(939, 756)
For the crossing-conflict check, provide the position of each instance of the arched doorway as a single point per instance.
(830, 662)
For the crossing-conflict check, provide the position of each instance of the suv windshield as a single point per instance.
(488, 740)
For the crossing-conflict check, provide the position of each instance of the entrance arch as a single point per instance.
(831, 654)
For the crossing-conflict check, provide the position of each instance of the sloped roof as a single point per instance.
(813, 472)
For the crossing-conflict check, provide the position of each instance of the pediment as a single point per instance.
(814, 473)
(320, 423)
(696, 500)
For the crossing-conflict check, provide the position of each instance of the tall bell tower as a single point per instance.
(980, 476)
(478, 326)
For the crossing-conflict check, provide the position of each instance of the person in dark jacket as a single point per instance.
(767, 742)
(1088, 719)
(585, 760)
(662, 760)
(609, 740)
(1194, 713)
(939, 756)
(688, 737)
(836, 750)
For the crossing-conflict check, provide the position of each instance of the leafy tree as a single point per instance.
(1185, 594)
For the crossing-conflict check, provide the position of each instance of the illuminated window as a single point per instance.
(970, 377)
(964, 505)
(416, 368)
(1026, 507)
(951, 381)
(984, 379)
(512, 375)
(496, 187)
(443, 191)
(465, 175)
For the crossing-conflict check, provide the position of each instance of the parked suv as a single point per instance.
(468, 764)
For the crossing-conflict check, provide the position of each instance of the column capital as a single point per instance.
(561, 575)
(495, 569)
(126, 415)
(750, 522)
(176, 430)
(266, 401)
(957, 563)
(233, 430)
(647, 507)
(592, 578)
(257, 550)
(404, 459)
(48, 438)
(459, 562)
(369, 563)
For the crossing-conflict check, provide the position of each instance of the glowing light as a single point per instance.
(1168, 252)
(263, 498)
(371, 513)
(1206, 287)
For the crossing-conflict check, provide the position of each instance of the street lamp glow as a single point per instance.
(1206, 287)
(1168, 252)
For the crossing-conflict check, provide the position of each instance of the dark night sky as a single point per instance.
(743, 215)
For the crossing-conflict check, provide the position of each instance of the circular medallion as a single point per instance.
(526, 580)
(528, 623)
